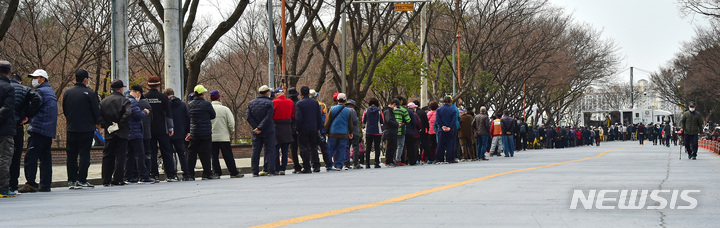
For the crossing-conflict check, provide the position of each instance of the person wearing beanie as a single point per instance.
(222, 127)
(293, 94)
(42, 130)
(136, 170)
(162, 129)
(340, 130)
(200, 138)
(115, 111)
(309, 121)
(259, 115)
(282, 117)
(81, 109)
(7, 127)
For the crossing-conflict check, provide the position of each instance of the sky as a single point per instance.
(648, 33)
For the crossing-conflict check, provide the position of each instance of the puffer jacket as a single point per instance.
(481, 125)
(147, 119)
(115, 109)
(431, 121)
(691, 123)
(7, 110)
(181, 118)
(45, 121)
(391, 125)
(201, 116)
(508, 125)
(27, 102)
(259, 115)
(135, 123)
(224, 123)
(308, 116)
(373, 120)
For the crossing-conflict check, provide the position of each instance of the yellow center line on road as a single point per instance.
(413, 195)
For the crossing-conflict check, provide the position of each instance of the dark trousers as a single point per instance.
(391, 148)
(411, 149)
(446, 146)
(7, 148)
(167, 155)
(39, 149)
(521, 142)
(294, 153)
(430, 153)
(308, 143)
(641, 138)
(78, 145)
(355, 145)
(135, 165)
(19, 140)
(691, 145)
(282, 149)
(423, 145)
(322, 142)
(200, 146)
(179, 146)
(270, 153)
(226, 150)
(372, 142)
(113, 161)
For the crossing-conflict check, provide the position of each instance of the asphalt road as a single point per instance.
(532, 189)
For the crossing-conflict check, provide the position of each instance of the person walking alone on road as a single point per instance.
(691, 124)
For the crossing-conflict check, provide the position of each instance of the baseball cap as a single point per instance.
(263, 89)
(279, 90)
(39, 73)
(200, 89)
(117, 83)
(214, 95)
(413, 105)
(692, 104)
(341, 96)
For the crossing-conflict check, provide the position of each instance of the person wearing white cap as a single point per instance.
(42, 130)
(260, 117)
(340, 130)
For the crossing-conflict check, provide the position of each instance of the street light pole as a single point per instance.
(271, 46)
(424, 51)
(119, 54)
(343, 47)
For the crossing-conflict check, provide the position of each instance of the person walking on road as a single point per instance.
(222, 127)
(200, 138)
(115, 111)
(7, 128)
(259, 115)
(691, 124)
(27, 104)
(42, 130)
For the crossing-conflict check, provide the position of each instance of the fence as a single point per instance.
(711, 145)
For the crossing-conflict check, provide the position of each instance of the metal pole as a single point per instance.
(119, 55)
(457, 37)
(454, 68)
(632, 90)
(271, 47)
(343, 77)
(173, 47)
(424, 51)
(283, 56)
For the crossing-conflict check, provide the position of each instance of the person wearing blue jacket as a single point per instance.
(259, 115)
(42, 130)
(373, 120)
(446, 121)
(309, 122)
(136, 170)
(340, 127)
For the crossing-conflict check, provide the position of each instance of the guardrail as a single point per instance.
(711, 145)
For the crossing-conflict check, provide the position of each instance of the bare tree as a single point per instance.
(7, 16)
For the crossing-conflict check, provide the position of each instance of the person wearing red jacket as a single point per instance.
(496, 133)
(284, 113)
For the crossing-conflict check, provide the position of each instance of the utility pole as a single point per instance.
(424, 51)
(454, 68)
(173, 47)
(343, 47)
(119, 56)
(632, 90)
(271, 47)
(457, 40)
(282, 55)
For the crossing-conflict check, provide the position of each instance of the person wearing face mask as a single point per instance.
(82, 113)
(27, 103)
(691, 124)
(42, 131)
(136, 170)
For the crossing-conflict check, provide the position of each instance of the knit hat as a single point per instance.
(214, 95)
(154, 80)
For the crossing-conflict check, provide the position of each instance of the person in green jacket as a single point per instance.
(403, 118)
(691, 123)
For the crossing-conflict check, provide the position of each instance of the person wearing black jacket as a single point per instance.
(391, 128)
(259, 115)
(309, 122)
(507, 124)
(27, 104)
(82, 112)
(115, 112)
(162, 129)
(424, 128)
(181, 123)
(7, 127)
(201, 115)
(522, 134)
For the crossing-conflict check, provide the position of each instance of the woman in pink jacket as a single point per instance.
(429, 156)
